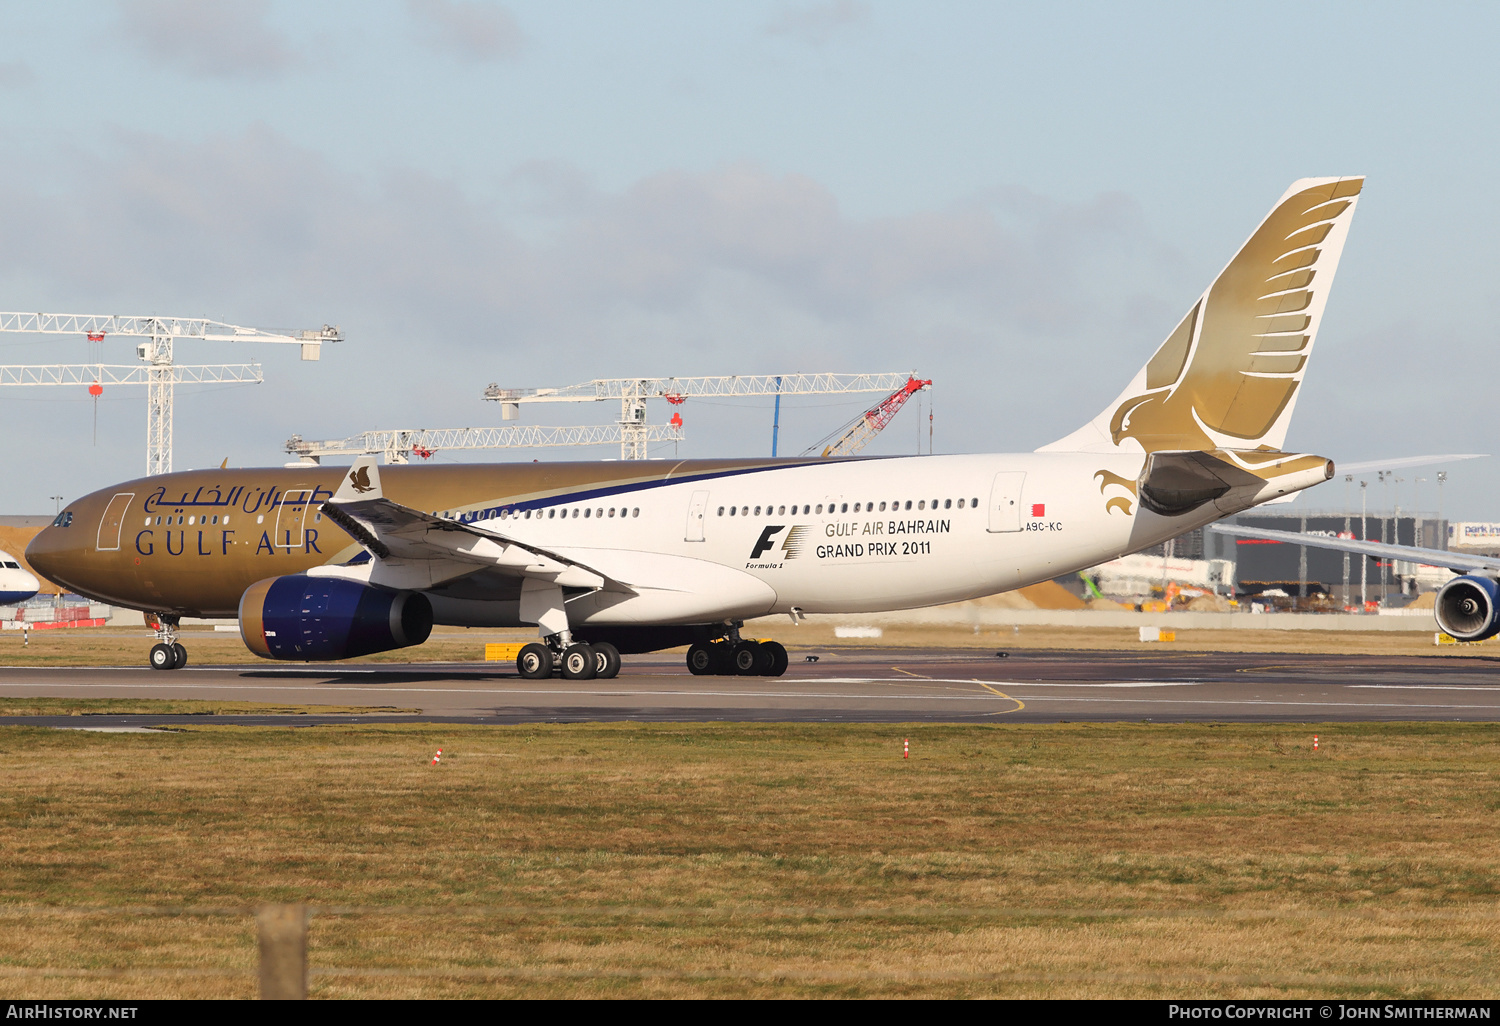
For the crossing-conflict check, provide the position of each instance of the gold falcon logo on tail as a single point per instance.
(1227, 377)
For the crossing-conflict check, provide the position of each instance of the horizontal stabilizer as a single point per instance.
(1404, 462)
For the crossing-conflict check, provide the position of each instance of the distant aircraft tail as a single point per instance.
(1227, 377)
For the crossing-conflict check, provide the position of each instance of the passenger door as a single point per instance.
(291, 515)
(697, 511)
(108, 539)
(1005, 501)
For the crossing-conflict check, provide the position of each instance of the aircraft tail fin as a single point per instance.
(1227, 376)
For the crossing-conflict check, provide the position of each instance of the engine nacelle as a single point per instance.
(301, 617)
(1468, 607)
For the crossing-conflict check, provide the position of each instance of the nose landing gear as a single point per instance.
(167, 653)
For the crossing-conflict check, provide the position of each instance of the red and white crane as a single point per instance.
(861, 431)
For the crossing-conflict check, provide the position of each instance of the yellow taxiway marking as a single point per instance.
(1019, 704)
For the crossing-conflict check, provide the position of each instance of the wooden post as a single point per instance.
(283, 952)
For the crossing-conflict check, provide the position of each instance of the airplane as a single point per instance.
(1467, 608)
(605, 558)
(16, 585)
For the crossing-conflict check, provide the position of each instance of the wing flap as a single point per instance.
(416, 549)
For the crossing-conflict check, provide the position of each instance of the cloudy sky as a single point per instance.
(1017, 201)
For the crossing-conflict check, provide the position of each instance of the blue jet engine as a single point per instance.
(317, 618)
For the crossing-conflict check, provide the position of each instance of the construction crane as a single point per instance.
(156, 371)
(399, 446)
(861, 431)
(632, 394)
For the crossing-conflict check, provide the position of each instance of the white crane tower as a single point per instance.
(632, 393)
(401, 444)
(156, 371)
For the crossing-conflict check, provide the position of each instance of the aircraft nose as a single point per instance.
(50, 551)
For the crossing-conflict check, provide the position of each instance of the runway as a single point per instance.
(868, 685)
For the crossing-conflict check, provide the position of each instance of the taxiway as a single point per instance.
(869, 685)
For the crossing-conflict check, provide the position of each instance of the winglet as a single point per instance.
(362, 482)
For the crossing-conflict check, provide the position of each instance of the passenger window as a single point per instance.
(586, 513)
(636, 512)
(844, 508)
(781, 511)
(960, 504)
(820, 507)
(947, 503)
(757, 511)
(721, 511)
(908, 504)
(922, 504)
(734, 511)
(974, 503)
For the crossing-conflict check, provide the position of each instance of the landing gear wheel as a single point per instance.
(163, 657)
(779, 659)
(181, 655)
(534, 662)
(606, 660)
(746, 659)
(704, 659)
(579, 663)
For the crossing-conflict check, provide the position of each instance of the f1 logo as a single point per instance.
(765, 541)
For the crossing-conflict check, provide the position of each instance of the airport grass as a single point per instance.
(734, 860)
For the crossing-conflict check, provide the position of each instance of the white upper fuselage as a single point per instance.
(866, 535)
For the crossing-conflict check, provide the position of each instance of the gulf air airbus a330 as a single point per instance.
(610, 557)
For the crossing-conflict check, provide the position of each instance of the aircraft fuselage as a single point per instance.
(769, 535)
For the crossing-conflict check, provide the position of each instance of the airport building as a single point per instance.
(1288, 576)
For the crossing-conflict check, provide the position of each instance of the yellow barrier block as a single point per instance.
(1167, 636)
(502, 653)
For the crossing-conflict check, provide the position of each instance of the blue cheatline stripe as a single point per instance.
(640, 486)
(7, 597)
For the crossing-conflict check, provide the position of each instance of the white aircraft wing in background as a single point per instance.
(1454, 561)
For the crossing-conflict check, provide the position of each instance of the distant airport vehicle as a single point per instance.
(326, 563)
(16, 585)
(1467, 608)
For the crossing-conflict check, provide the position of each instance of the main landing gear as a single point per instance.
(737, 657)
(167, 653)
(539, 660)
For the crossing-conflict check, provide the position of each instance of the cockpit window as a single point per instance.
(64, 519)
(10, 564)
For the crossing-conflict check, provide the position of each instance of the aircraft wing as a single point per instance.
(1454, 561)
(418, 550)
